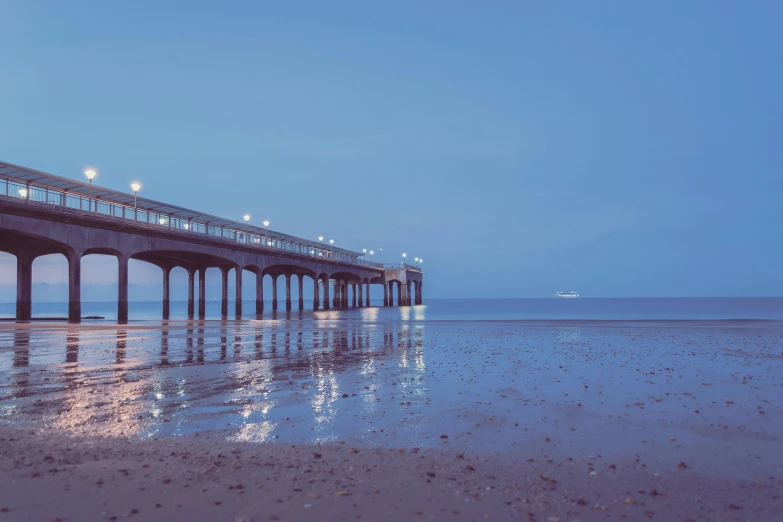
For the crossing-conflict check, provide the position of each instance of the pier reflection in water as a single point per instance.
(303, 380)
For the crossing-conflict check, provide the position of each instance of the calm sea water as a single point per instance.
(553, 309)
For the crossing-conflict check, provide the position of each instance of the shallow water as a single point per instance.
(708, 392)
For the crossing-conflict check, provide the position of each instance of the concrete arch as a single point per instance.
(13, 242)
(184, 259)
(285, 268)
(102, 252)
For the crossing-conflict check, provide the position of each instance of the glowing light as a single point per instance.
(135, 186)
(246, 217)
(331, 241)
(371, 252)
(364, 250)
(162, 221)
(90, 173)
(320, 238)
(23, 192)
(266, 223)
(185, 226)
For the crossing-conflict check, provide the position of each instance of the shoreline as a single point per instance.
(203, 477)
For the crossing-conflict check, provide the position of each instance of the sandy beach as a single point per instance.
(295, 420)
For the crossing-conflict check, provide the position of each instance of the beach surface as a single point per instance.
(345, 420)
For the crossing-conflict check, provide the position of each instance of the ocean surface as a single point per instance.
(544, 309)
(553, 377)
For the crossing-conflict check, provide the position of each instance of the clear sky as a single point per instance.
(614, 148)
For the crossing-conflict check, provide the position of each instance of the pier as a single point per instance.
(43, 214)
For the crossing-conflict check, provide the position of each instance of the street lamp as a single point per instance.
(331, 242)
(266, 225)
(135, 187)
(371, 256)
(91, 173)
(246, 217)
(23, 193)
(404, 255)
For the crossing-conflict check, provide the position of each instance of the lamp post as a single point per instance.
(91, 173)
(266, 226)
(246, 217)
(370, 256)
(135, 187)
(331, 242)
(364, 251)
(404, 255)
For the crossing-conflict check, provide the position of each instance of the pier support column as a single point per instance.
(166, 285)
(238, 305)
(274, 293)
(191, 292)
(326, 294)
(361, 301)
(353, 290)
(75, 287)
(336, 299)
(301, 291)
(202, 291)
(385, 294)
(259, 293)
(345, 294)
(367, 296)
(122, 289)
(24, 286)
(224, 296)
(400, 296)
(316, 294)
(288, 292)
(408, 301)
(421, 298)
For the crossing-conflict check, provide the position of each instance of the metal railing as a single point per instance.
(401, 266)
(88, 206)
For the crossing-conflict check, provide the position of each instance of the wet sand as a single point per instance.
(465, 421)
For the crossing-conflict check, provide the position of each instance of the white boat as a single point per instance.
(567, 294)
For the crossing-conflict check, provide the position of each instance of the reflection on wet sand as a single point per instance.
(160, 387)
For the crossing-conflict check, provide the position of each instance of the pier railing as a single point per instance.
(401, 266)
(85, 205)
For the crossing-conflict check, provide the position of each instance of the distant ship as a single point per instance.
(567, 294)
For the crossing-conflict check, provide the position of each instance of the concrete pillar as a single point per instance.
(166, 286)
(353, 290)
(191, 292)
(316, 294)
(361, 301)
(400, 296)
(408, 293)
(367, 296)
(259, 293)
(274, 293)
(75, 287)
(301, 291)
(238, 306)
(24, 286)
(224, 296)
(385, 294)
(202, 291)
(326, 294)
(419, 293)
(288, 292)
(122, 289)
(336, 299)
(344, 294)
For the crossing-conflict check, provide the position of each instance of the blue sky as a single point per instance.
(614, 148)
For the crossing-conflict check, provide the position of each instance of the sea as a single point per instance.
(541, 309)
(555, 377)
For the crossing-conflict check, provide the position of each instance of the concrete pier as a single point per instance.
(128, 228)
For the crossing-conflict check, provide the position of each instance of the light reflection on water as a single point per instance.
(256, 379)
(402, 380)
